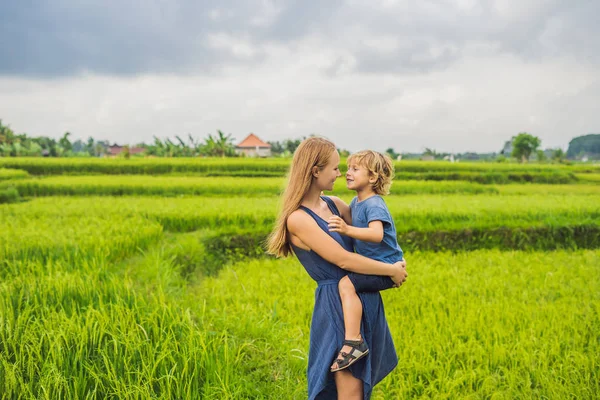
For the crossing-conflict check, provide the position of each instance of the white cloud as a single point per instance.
(267, 14)
(452, 75)
(238, 47)
(474, 105)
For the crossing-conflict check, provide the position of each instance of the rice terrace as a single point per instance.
(147, 278)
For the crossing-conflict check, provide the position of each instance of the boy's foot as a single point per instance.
(357, 350)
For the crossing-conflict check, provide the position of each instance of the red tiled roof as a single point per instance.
(253, 141)
(136, 150)
(116, 150)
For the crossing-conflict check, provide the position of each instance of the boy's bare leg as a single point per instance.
(352, 309)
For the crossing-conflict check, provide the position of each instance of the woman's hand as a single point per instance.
(337, 224)
(401, 275)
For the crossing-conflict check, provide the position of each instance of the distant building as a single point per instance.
(252, 146)
(449, 158)
(508, 148)
(115, 150)
(427, 158)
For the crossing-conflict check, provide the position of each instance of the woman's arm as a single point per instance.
(306, 229)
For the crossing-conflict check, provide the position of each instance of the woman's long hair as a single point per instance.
(312, 152)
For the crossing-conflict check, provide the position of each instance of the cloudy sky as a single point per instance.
(453, 75)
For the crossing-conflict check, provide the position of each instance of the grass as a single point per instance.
(536, 189)
(139, 295)
(142, 185)
(470, 325)
(411, 212)
(73, 237)
(8, 174)
(594, 178)
(484, 324)
(492, 176)
(254, 167)
(87, 334)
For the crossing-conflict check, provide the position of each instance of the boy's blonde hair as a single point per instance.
(379, 165)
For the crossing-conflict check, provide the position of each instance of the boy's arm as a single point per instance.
(373, 234)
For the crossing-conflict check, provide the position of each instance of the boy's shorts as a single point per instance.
(370, 283)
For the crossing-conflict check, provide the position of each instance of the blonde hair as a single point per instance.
(380, 166)
(312, 152)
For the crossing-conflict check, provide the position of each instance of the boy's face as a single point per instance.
(358, 177)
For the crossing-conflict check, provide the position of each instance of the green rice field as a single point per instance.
(147, 278)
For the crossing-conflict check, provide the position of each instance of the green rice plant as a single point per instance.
(591, 178)
(484, 324)
(425, 213)
(532, 189)
(73, 237)
(584, 236)
(89, 335)
(9, 195)
(465, 325)
(9, 174)
(256, 167)
(584, 168)
(175, 214)
(492, 176)
(146, 166)
(61, 227)
(411, 212)
(139, 185)
(222, 248)
(490, 167)
(97, 302)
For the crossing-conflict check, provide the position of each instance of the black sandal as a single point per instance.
(344, 360)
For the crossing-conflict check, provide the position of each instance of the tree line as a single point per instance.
(521, 147)
(217, 145)
(22, 145)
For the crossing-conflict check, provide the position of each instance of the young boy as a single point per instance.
(370, 174)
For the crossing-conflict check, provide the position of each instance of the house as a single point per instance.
(449, 158)
(252, 146)
(115, 150)
(507, 149)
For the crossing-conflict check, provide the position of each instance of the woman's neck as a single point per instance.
(312, 199)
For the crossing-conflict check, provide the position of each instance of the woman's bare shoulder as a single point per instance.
(298, 219)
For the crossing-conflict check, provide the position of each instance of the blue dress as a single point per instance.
(327, 326)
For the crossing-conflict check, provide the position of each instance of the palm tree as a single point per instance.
(219, 145)
(223, 144)
(65, 143)
(558, 155)
(6, 134)
(90, 147)
(429, 152)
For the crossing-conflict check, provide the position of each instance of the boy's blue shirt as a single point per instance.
(375, 209)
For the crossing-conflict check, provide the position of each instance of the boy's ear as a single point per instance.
(373, 178)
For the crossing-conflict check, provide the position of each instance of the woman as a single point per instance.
(301, 228)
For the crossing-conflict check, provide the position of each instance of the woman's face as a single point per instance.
(327, 176)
